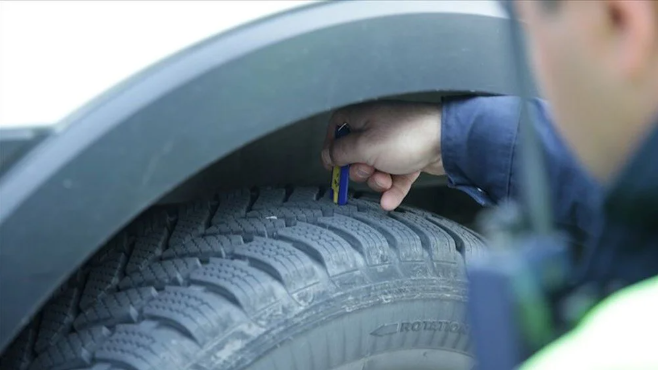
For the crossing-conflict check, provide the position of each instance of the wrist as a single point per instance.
(435, 162)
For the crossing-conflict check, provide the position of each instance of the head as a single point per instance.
(597, 63)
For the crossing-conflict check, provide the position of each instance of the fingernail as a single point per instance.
(379, 182)
(326, 157)
(362, 173)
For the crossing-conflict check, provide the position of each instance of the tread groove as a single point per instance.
(467, 243)
(289, 190)
(204, 247)
(162, 273)
(254, 194)
(22, 352)
(118, 308)
(436, 241)
(57, 319)
(193, 220)
(147, 249)
(197, 313)
(370, 243)
(400, 237)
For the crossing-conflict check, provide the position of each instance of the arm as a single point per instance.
(472, 140)
(480, 151)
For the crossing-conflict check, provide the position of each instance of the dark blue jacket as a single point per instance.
(480, 149)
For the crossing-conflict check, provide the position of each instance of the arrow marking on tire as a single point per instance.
(386, 329)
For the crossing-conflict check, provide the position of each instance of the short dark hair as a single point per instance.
(549, 5)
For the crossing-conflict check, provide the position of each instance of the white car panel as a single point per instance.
(57, 55)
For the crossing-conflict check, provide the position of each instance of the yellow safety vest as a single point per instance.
(620, 333)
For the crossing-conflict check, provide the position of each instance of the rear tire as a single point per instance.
(260, 280)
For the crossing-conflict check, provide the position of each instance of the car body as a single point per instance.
(155, 134)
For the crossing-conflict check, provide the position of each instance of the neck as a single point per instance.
(633, 196)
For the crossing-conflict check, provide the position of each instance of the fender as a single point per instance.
(120, 153)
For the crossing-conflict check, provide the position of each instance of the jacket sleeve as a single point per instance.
(480, 149)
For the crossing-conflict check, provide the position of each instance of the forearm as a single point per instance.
(480, 150)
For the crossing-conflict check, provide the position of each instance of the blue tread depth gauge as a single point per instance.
(340, 176)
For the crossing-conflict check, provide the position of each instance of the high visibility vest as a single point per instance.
(620, 333)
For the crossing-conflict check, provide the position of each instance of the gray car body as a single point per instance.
(66, 191)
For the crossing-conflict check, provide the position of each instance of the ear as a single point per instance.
(635, 30)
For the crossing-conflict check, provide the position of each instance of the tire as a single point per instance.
(264, 279)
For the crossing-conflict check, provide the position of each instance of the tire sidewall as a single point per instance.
(358, 327)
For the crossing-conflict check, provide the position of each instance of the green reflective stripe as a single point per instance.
(621, 333)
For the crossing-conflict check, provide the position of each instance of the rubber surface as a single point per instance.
(262, 279)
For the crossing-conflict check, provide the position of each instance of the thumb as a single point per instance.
(347, 150)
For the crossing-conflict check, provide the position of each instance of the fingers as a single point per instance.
(360, 172)
(401, 184)
(351, 148)
(337, 119)
(326, 159)
(347, 150)
(380, 182)
(329, 149)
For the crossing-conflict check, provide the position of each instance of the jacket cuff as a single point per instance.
(478, 138)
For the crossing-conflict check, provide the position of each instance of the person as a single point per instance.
(597, 65)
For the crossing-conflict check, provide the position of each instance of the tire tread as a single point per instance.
(178, 280)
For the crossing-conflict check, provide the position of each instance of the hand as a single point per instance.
(389, 145)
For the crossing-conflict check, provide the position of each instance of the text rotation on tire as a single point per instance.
(220, 284)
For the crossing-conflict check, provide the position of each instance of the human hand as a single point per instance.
(389, 145)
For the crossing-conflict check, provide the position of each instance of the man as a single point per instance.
(597, 62)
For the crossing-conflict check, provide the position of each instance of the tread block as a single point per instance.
(147, 249)
(327, 207)
(160, 274)
(252, 289)
(58, 316)
(332, 251)
(203, 315)
(406, 242)
(193, 220)
(120, 307)
(248, 227)
(141, 348)
(150, 221)
(365, 205)
(368, 241)
(466, 241)
(104, 366)
(232, 205)
(440, 245)
(205, 247)
(269, 198)
(415, 211)
(76, 280)
(103, 279)
(20, 354)
(283, 261)
(288, 213)
(116, 245)
(302, 194)
(345, 210)
(73, 351)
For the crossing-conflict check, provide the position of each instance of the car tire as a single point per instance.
(271, 278)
